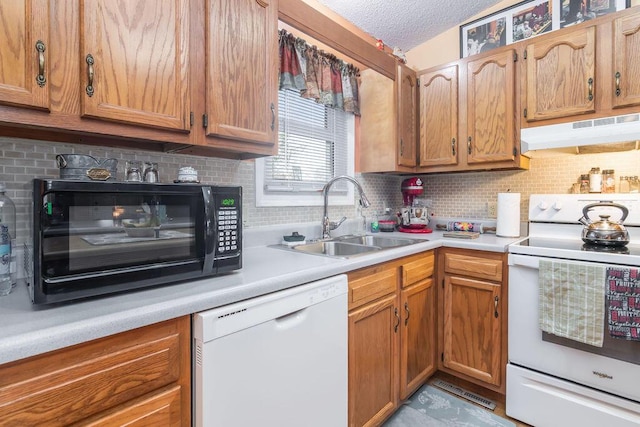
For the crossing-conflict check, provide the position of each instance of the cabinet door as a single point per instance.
(439, 117)
(24, 53)
(373, 377)
(407, 116)
(417, 341)
(472, 331)
(491, 133)
(626, 60)
(560, 75)
(241, 70)
(135, 56)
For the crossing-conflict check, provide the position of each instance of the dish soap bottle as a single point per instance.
(375, 227)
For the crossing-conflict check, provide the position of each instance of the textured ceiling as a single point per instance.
(406, 23)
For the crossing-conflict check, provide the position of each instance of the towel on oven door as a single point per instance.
(571, 300)
(623, 302)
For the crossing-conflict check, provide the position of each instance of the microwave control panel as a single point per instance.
(229, 221)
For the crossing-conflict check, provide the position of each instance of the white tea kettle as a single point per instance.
(604, 232)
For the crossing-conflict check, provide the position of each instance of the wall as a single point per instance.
(23, 160)
(465, 195)
(446, 46)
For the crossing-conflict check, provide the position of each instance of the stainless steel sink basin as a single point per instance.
(350, 246)
(336, 249)
(383, 242)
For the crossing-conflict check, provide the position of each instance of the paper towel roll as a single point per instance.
(508, 221)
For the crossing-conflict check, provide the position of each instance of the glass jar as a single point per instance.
(634, 185)
(608, 181)
(584, 183)
(624, 185)
(595, 180)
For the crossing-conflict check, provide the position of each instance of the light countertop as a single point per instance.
(27, 330)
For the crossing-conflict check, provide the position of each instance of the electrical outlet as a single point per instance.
(492, 209)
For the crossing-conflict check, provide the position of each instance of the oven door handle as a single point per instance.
(527, 261)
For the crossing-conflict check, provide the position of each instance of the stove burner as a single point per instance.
(607, 249)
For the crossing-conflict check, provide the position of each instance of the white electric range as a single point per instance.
(554, 380)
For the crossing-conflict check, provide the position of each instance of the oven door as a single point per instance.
(541, 360)
(102, 238)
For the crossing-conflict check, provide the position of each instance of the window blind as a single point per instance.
(312, 146)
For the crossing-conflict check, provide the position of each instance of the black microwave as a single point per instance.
(92, 238)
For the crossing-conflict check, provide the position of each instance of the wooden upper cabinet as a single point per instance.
(560, 74)
(242, 70)
(407, 115)
(626, 61)
(490, 90)
(24, 53)
(388, 121)
(439, 117)
(135, 58)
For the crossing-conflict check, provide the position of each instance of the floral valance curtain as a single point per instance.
(317, 75)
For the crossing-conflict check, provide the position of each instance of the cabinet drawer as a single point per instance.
(485, 268)
(159, 409)
(69, 385)
(371, 283)
(417, 267)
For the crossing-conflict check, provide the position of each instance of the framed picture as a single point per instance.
(528, 19)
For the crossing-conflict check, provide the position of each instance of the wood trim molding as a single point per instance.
(305, 18)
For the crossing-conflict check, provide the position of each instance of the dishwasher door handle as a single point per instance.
(292, 319)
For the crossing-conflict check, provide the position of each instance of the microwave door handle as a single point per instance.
(210, 227)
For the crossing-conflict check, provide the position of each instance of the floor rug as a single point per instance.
(431, 407)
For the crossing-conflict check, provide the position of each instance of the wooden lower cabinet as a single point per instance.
(373, 366)
(391, 335)
(417, 360)
(472, 335)
(140, 377)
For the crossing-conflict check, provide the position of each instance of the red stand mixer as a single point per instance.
(413, 215)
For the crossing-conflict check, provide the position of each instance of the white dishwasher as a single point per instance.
(277, 360)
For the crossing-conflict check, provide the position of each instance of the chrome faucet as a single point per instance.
(328, 225)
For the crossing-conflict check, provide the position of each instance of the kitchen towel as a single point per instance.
(571, 300)
(508, 221)
(623, 301)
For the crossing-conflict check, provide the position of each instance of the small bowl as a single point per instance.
(387, 225)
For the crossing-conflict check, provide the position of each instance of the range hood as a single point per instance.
(603, 135)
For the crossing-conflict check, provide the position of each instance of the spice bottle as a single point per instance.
(634, 184)
(584, 183)
(608, 181)
(595, 180)
(624, 184)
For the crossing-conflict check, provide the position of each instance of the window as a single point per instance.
(315, 144)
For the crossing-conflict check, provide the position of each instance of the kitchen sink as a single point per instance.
(383, 242)
(336, 249)
(350, 245)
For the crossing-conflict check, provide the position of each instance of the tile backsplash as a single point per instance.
(462, 195)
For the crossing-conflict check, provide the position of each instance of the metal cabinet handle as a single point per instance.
(40, 78)
(469, 146)
(90, 62)
(273, 116)
(401, 147)
(590, 83)
(406, 308)
(495, 306)
(395, 328)
(453, 146)
(618, 83)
